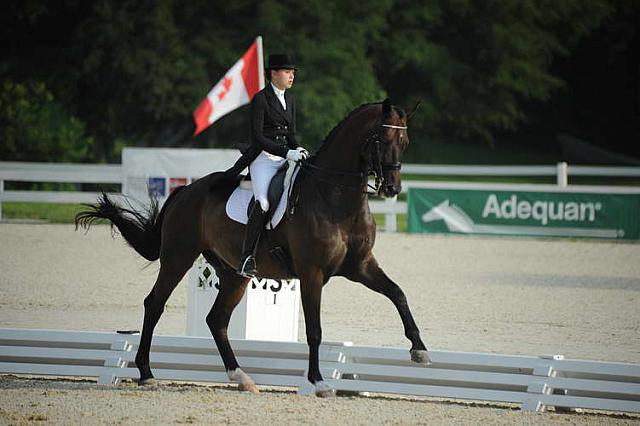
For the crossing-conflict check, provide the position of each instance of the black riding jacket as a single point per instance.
(272, 128)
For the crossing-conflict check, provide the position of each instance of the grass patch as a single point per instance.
(49, 212)
(65, 213)
(433, 152)
(481, 179)
(401, 225)
(549, 180)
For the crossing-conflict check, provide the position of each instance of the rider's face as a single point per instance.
(283, 79)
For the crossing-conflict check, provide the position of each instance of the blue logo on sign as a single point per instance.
(157, 186)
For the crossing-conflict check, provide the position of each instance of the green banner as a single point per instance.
(504, 212)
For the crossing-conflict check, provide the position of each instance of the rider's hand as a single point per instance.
(294, 155)
(303, 151)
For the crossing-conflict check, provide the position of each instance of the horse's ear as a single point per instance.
(413, 110)
(386, 107)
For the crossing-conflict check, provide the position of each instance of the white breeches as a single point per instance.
(263, 168)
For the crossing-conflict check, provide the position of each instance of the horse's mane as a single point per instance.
(344, 120)
(341, 124)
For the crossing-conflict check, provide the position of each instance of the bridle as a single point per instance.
(375, 166)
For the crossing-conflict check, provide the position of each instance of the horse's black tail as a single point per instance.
(142, 231)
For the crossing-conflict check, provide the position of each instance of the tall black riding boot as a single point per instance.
(255, 225)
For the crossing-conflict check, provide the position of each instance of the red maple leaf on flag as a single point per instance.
(226, 84)
(243, 78)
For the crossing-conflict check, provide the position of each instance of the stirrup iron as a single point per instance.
(248, 267)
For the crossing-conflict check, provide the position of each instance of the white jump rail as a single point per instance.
(532, 382)
(110, 357)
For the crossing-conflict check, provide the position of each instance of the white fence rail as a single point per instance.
(532, 382)
(102, 173)
(60, 172)
(13, 171)
(561, 170)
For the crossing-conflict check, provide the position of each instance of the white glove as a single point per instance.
(303, 151)
(294, 155)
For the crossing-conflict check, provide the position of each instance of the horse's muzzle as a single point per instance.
(391, 190)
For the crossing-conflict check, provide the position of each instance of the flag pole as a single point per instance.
(260, 62)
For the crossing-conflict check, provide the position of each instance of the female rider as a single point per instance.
(273, 127)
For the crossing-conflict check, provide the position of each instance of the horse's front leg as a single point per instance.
(372, 276)
(311, 290)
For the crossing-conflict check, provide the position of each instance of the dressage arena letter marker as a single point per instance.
(267, 311)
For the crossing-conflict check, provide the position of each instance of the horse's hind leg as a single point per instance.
(172, 269)
(372, 276)
(232, 288)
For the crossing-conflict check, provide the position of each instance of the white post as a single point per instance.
(260, 62)
(562, 178)
(1, 194)
(390, 218)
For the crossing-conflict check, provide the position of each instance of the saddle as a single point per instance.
(281, 180)
(241, 200)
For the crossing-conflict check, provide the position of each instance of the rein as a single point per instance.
(308, 167)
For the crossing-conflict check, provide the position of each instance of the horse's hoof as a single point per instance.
(323, 390)
(420, 356)
(148, 382)
(245, 383)
(248, 387)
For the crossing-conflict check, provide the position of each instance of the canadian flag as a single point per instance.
(236, 88)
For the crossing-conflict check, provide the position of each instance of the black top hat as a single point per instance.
(281, 62)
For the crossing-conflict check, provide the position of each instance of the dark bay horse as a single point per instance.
(331, 233)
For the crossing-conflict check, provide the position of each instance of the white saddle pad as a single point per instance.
(239, 201)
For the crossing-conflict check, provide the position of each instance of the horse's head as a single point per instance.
(385, 146)
(371, 140)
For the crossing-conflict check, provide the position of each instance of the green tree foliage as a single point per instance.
(602, 77)
(475, 64)
(331, 43)
(135, 73)
(132, 72)
(35, 127)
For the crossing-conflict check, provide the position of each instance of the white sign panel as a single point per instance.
(158, 171)
(269, 309)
